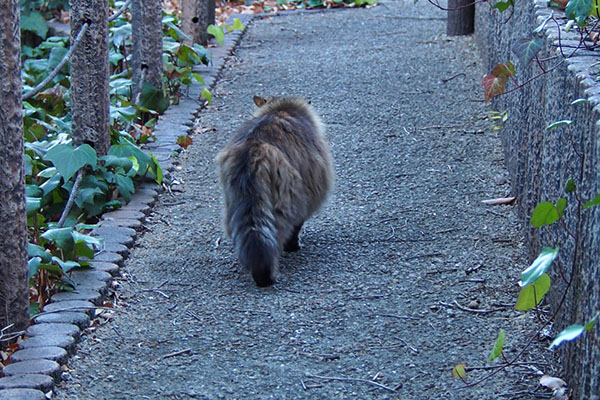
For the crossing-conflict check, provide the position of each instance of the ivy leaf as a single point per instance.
(61, 237)
(33, 250)
(539, 266)
(237, 25)
(119, 162)
(560, 206)
(153, 98)
(184, 141)
(68, 160)
(558, 124)
(34, 22)
(503, 5)
(206, 95)
(594, 202)
(531, 295)
(569, 333)
(578, 10)
(527, 49)
(217, 32)
(33, 205)
(545, 213)
(33, 265)
(459, 371)
(66, 266)
(498, 346)
(494, 83)
(570, 187)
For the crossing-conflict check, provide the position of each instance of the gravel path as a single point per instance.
(370, 298)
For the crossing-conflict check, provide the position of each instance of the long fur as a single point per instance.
(276, 172)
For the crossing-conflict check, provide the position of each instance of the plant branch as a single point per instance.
(72, 196)
(56, 70)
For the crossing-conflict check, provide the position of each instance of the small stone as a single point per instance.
(65, 341)
(72, 305)
(80, 276)
(53, 328)
(109, 267)
(110, 257)
(81, 319)
(28, 381)
(22, 394)
(53, 353)
(43, 367)
(78, 294)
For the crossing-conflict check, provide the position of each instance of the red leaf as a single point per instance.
(184, 141)
(494, 83)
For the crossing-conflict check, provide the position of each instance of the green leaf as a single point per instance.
(124, 184)
(570, 187)
(539, 266)
(217, 32)
(503, 5)
(531, 295)
(62, 237)
(545, 213)
(570, 333)
(206, 95)
(594, 202)
(579, 101)
(82, 250)
(527, 49)
(237, 25)
(51, 184)
(153, 98)
(32, 267)
(459, 371)
(498, 346)
(560, 206)
(33, 205)
(578, 10)
(558, 124)
(119, 162)
(79, 237)
(65, 266)
(33, 250)
(34, 22)
(68, 160)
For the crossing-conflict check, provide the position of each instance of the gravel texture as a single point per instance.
(402, 275)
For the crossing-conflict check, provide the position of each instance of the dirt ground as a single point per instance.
(403, 274)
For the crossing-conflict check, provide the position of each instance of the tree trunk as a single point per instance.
(461, 17)
(147, 43)
(196, 16)
(14, 293)
(89, 75)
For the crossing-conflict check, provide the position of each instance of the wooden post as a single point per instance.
(90, 75)
(146, 27)
(461, 17)
(14, 290)
(196, 16)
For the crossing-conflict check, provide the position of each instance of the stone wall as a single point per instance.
(541, 162)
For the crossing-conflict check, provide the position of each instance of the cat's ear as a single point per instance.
(259, 101)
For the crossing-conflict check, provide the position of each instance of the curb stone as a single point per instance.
(67, 315)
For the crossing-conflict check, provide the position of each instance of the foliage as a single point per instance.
(54, 165)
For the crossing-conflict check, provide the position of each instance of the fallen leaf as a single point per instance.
(500, 201)
(459, 371)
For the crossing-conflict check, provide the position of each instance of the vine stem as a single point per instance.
(72, 196)
(56, 70)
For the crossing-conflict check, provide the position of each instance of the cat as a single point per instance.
(276, 171)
